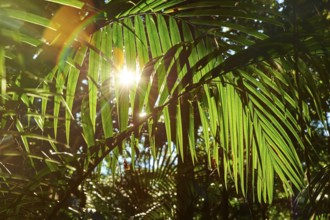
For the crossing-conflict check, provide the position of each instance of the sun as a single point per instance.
(127, 77)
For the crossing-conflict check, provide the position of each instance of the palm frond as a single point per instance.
(240, 87)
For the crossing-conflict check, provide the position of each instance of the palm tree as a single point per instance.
(77, 92)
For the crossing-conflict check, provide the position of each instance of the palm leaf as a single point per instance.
(241, 83)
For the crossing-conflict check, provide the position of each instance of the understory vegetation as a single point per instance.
(164, 109)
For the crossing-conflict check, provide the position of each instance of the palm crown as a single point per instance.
(93, 83)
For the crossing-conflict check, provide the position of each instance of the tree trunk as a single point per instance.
(185, 178)
(185, 203)
(224, 195)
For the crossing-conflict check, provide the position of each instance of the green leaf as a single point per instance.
(24, 139)
(73, 76)
(3, 77)
(153, 37)
(71, 3)
(27, 17)
(141, 44)
(86, 123)
(93, 78)
(105, 74)
(19, 37)
(179, 133)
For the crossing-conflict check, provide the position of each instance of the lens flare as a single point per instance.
(127, 77)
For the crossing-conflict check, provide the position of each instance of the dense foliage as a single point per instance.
(159, 109)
